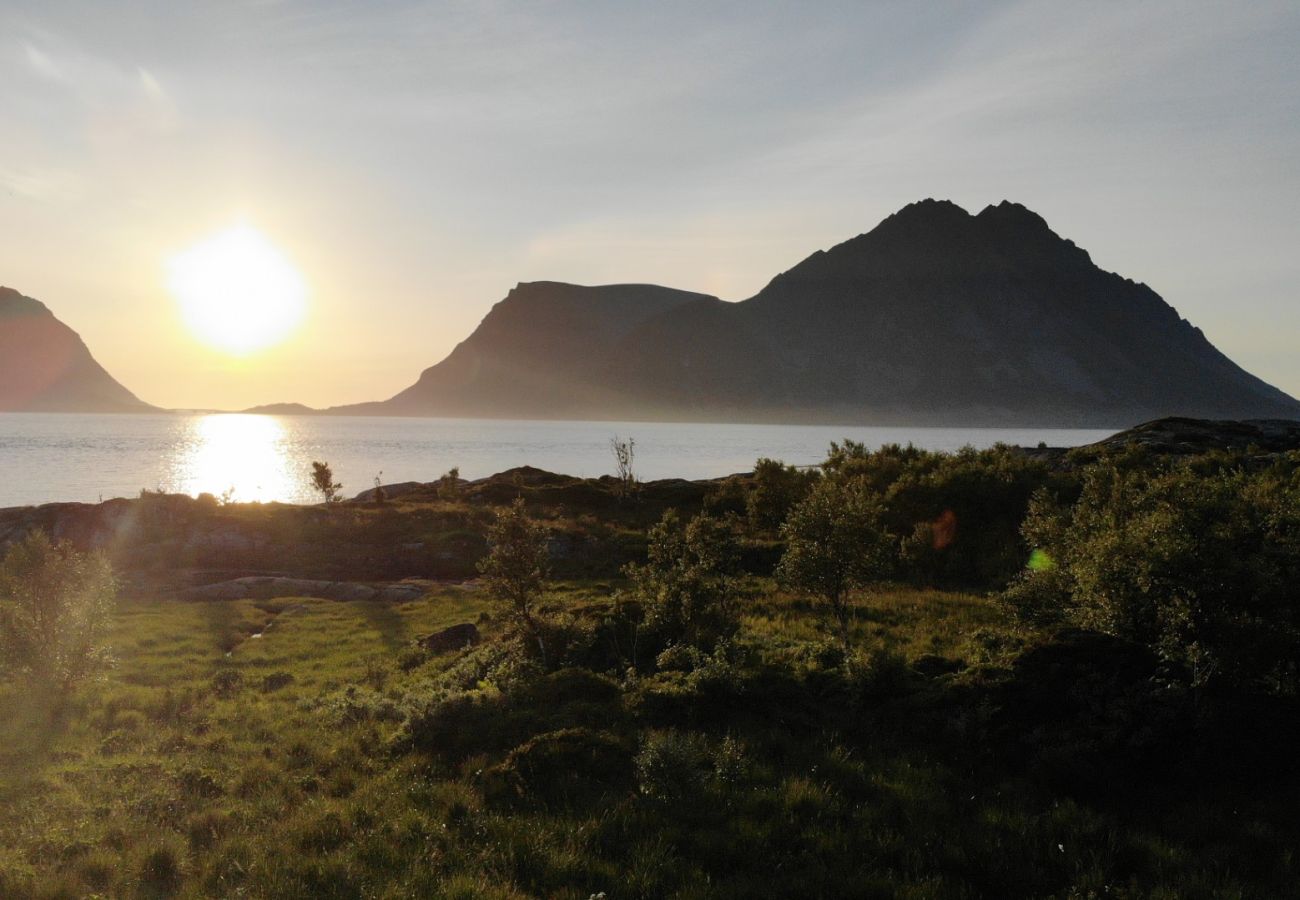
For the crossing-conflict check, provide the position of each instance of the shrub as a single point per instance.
(730, 762)
(686, 588)
(449, 485)
(572, 765)
(276, 681)
(55, 604)
(322, 480)
(778, 488)
(199, 783)
(357, 704)
(673, 765)
(160, 869)
(881, 675)
(412, 657)
(227, 683)
(376, 672)
(1198, 567)
(455, 725)
(959, 514)
(835, 545)
(727, 496)
(515, 569)
(1084, 709)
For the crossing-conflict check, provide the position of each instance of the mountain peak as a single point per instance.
(1010, 211)
(12, 304)
(930, 212)
(932, 206)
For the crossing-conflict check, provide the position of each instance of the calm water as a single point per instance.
(46, 456)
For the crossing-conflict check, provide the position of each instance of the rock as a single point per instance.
(931, 665)
(391, 491)
(402, 593)
(223, 539)
(1182, 436)
(453, 638)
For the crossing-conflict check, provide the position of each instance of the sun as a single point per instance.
(236, 291)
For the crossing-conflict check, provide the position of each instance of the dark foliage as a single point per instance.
(1198, 566)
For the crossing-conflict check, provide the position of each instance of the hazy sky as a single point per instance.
(415, 161)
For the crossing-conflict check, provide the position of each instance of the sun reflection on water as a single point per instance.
(246, 457)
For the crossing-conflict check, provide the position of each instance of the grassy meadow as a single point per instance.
(262, 749)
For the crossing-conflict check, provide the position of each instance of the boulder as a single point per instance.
(402, 593)
(453, 638)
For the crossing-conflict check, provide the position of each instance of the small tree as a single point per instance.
(624, 455)
(55, 605)
(449, 485)
(322, 479)
(835, 545)
(516, 567)
(686, 587)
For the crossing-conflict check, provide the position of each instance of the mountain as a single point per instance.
(45, 366)
(547, 347)
(936, 316)
(280, 409)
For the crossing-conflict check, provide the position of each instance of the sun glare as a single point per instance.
(247, 456)
(236, 291)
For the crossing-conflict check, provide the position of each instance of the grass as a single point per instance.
(198, 741)
(257, 748)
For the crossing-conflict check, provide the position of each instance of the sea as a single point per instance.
(55, 457)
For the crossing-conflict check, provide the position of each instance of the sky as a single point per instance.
(414, 161)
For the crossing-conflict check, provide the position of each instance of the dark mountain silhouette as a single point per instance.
(935, 316)
(45, 366)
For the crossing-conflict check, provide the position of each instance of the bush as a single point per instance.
(515, 569)
(573, 765)
(836, 543)
(277, 681)
(959, 514)
(673, 766)
(226, 683)
(686, 588)
(55, 604)
(1198, 567)
(778, 488)
(1084, 710)
(356, 704)
(457, 724)
(161, 870)
(449, 485)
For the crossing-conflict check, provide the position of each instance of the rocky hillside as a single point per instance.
(45, 366)
(935, 316)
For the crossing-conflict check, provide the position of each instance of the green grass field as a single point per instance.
(255, 748)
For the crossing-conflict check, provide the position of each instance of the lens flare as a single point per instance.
(237, 292)
(1041, 561)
